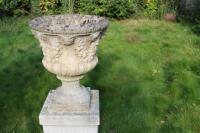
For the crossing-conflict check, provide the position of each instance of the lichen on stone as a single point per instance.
(69, 24)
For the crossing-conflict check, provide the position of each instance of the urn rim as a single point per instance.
(69, 24)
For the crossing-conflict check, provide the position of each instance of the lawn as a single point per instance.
(148, 76)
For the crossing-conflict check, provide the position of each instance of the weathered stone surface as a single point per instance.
(63, 121)
(64, 117)
(69, 24)
(69, 44)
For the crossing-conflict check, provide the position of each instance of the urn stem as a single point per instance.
(72, 93)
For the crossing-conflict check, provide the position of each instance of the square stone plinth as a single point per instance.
(69, 122)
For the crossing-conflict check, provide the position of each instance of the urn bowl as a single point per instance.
(69, 42)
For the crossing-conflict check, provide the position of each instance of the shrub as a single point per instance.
(57, 6)
(14, 7)
(158, 8)
(196, 29)
(118, 9)
(152, 8)
(169, 5)
(50, 6)
(189, 10)
(139, 4)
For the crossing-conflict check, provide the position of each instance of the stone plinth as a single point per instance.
(64, 121)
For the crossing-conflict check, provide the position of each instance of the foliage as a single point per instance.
(158, 8)
(118, 9)
(196, 27)
(14, 7)
(144, 76)
(139, 4)
(71, 6)
(190, 12)
(151, 8)
(1, 3)
(56, 6)
(170, 5)
(50, 6)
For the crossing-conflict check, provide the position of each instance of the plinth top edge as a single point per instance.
(69, 118)
(69, 24)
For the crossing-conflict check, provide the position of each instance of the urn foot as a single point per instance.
(71, 96)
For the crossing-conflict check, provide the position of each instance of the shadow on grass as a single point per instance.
(122, 102)
(22, 93)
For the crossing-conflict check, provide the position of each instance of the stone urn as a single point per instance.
(69, 44)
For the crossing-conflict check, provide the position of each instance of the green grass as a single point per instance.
(148, 76)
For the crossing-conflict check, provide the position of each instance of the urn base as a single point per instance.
(70, 122)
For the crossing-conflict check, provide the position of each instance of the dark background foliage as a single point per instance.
(118, 9)
(14, 7)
